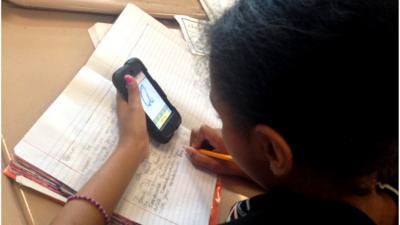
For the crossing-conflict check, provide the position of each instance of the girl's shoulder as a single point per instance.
(285, 207)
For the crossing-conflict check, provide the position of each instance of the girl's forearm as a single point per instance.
(106, 187)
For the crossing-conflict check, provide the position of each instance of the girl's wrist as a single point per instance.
(137, 150)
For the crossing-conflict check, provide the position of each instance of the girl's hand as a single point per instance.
(214, 137)
(132, 121)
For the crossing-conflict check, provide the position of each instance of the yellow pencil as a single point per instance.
(216, 155)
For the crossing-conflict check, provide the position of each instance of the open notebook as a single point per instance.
(78, 132)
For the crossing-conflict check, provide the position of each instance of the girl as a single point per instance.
(307, 95)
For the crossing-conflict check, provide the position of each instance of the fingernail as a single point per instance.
(128, 79)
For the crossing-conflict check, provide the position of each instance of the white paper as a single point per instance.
(78, 132)
(182, 76)
(193, 31)
(98, 31)
(166, 189)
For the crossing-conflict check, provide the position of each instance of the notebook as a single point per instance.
(78, 132)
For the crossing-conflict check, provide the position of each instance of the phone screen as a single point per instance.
(153, 104)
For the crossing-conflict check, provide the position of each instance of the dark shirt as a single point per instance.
(285, 207)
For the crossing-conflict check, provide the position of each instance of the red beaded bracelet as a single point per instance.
(93, 202)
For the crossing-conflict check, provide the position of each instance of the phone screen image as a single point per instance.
(153, 104)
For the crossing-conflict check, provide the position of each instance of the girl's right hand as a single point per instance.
(214, 137)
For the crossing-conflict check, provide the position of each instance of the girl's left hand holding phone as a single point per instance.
(132, 121)
(104, 187)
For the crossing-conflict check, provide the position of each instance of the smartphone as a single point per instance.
(162, 117)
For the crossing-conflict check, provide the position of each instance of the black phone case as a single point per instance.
(132, 67)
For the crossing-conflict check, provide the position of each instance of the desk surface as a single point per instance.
(157, 8)
(41, 52)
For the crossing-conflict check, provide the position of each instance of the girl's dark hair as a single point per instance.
(324, 74)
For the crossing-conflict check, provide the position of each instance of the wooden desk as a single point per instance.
(156, 8)
(41, 52)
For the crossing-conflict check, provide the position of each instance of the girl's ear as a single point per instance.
(277, 150)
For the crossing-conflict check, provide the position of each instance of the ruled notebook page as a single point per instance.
(179, 73)
(78, 132)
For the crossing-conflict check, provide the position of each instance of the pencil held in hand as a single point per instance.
(214, 161)
(216, 155)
